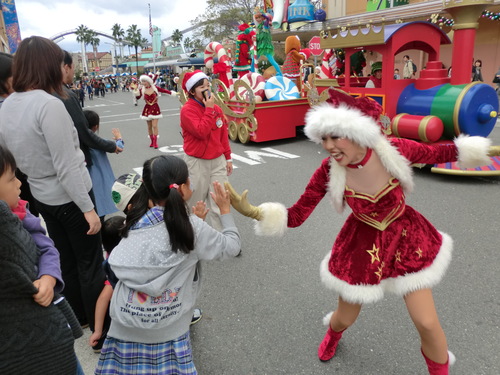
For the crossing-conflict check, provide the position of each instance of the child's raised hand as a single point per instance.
(45, 286)
(200, 210)
(221, 198)
(116, 134)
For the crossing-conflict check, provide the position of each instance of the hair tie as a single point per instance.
(175, 186)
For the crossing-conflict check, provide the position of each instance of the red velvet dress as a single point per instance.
(152, 109)
(382, 238)
(384, 244)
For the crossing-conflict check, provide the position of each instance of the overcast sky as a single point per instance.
(50, 17)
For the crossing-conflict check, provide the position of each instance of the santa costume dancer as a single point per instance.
(151, 112)
(384, 245)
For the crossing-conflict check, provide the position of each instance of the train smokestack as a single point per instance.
(465, 14)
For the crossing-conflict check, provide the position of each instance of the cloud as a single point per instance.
(50, 18)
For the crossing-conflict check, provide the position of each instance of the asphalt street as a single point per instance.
(262, 312)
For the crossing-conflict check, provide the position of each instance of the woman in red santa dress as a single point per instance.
(151, 112)
(384, 245)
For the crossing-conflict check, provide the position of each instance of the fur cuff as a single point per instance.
(472, 151)
(274, 220)
(327, 318)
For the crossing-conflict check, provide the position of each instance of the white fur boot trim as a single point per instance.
(472, 151)
(327, 317)
(451, 358)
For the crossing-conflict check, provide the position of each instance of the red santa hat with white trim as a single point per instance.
(191, 78)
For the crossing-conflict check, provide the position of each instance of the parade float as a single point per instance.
(431, 108)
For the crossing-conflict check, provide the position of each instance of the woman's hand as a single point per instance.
(45, 286)
(94, 222)
(240, 203)
(229, 167)
(221, 198)
(200, 210)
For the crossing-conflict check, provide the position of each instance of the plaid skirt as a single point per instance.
(131, 358)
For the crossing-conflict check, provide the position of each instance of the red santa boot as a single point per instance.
(438, 368)
(328, 346)
(152, 141)
(155, 141)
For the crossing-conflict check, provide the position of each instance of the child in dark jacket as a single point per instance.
(34, 332)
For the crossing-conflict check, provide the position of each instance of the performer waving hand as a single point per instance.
(384, 245)
(151, 112)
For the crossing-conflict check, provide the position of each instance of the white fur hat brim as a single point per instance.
(344, 122)
(146, 78)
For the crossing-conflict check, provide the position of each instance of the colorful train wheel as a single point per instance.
(243, 134)
(233, 131)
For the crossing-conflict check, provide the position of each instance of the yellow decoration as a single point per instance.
(374, 253)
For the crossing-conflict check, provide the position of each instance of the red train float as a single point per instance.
(431, 108)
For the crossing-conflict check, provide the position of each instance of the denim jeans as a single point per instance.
(80, 254)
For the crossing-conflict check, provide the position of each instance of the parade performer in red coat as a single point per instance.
(384, 245)
(243, 58)
(151, 112)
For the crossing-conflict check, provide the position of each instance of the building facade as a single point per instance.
(348, 14)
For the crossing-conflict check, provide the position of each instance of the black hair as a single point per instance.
(5, 72)
(68, 59)
(6, 160)
(92, 118)
(158, 174)
(197, 84)
(408, 57)
(111, 232)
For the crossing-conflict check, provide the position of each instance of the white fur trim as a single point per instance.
(327, 318)
(274, 220)
(193, 79)
(147, 79)
(151, 117)
(401, 286)
(451, 358)
(395, 163)
(342, 121)
(472, 151)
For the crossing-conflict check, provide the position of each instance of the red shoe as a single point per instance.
(155, 141)
(438, 368)
(328, 346)
(152, 141)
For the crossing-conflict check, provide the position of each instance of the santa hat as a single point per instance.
(345, 116)
(146, 78)
(306, 52)
(244, 27)
(191, 78)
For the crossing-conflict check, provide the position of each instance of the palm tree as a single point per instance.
(94, 41)
(176, 37)
(136, 40)
(81, 37)
(188, 44)
(118, 34)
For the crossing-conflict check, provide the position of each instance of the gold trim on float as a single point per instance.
(455, 172)
(458, 104)
(422, 127)
(395, 124)
(356, 37)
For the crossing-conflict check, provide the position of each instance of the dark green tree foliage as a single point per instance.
(221, 19)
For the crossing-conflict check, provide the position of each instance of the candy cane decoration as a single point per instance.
(215, 48)
(326, 71)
